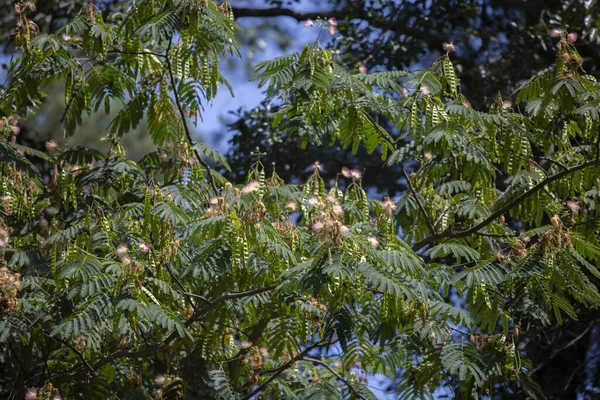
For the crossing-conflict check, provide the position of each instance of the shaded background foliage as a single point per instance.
(497, 42)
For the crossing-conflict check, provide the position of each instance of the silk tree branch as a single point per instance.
(241, 12)
(389, 24)
(186, 129)
(355, 392)
(420, 203)
(278, 371)
(455, 234)
(225, 296)
(148, 351)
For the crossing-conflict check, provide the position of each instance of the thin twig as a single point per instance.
(186, 129)
(498, 235)
(183, 291)
(587, 221)
(566, 346)
(420, 203)
(136, 53)
(339, 376)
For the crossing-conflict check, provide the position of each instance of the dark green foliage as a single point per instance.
(161, 278)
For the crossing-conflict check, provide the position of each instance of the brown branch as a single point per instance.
(77, 352)
(240, 12)
(355, 392)
(553, 161)
(257, 331)
(420, 203)
(587, 221)
(137, 53)
(382, 22)
(278, 371)
(453, 233)
(188, 134)
(224, 297)
(566, 346)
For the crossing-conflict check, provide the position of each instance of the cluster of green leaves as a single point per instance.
(136, 58)
(160, 278)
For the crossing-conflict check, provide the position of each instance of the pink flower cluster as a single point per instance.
(560, 32)
(355, 174)
(332, 24)
(327, 213)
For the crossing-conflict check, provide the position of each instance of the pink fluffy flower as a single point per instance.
(356, 174)
(144, 248)
(31, 393)
(51, 144)
(291, 205)
(121, 249)
(312, 201)
(373, 241)
(251, 187)
(337, 210)
(574, 206)
(556, 32)
(449, 47)
(318, 226)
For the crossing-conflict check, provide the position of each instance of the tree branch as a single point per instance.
(553, 161)
(355, 392)
(77, 352)
(453, 233)
(278, 371)
(241, 12)
(390, 24)
(420, 203)
(186, 129)
(151, 349)
(225, 296)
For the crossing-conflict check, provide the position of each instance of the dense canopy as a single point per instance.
(162, 278)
